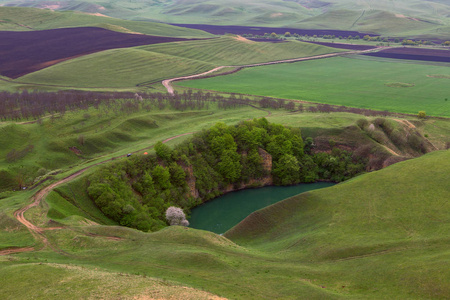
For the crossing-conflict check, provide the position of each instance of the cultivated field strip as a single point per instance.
(168, 82)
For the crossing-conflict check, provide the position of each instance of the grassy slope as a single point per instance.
(373, 237)
(398, 223)
(343, 81)
(131, 66)
(105, 135)
(427, 17)
(386, 23)
(22, 19)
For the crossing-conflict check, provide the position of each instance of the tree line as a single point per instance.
(137, 192)
(28, 105)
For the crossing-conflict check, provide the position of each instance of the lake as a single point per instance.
(222, 213)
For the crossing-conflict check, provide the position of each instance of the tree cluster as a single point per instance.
(138, 191)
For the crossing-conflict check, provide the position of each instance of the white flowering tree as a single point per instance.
(176, 216)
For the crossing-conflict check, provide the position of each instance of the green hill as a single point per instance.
(382, 235)
(374, 21)
(379, 231)
(24, 19)
(148, 64)
(413, 17)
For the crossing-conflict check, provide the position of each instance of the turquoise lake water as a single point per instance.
(221, 214)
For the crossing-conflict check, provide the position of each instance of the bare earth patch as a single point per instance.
(399, 84)
(439, 76)
(243, 39)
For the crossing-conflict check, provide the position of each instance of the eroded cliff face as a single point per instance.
(190, 180)
(254, 182)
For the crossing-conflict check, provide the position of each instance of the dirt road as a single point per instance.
(168, 82)
(38, 232)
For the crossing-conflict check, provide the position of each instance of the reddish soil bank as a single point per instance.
(217, 29)
(414, 54)
(344, 46)
(25, 52)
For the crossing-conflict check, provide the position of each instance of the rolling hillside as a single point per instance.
(399, 17)
(381, 235)
(147, 64)
(26, 19)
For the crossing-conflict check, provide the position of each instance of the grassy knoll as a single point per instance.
(380, 235)
(120, 68)
(379, 218)
(231, 50)
(343, 81)
(24, 19)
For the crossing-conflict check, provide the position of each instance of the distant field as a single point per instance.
(390, 18)
(27, 19)
(119, 68)
(344, 81)
(414, 53)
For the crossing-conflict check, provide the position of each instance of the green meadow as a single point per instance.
(127, 68)
(393, 86)
(380, 235)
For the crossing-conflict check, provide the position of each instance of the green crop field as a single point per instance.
(373, 237)
(344, 81)
(126, 68)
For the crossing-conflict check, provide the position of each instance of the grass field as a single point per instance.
(344, 81)
(24, 19)
(373, 237)
(400, 17)
(120, 68)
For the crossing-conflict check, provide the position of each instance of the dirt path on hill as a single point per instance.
(406, 122)
(168, 82)
(38, 232)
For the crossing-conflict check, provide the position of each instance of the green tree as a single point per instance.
(163, 151)
(177, 174)
(286, 170)
(229, 166)
(421, 114)
(161, 176)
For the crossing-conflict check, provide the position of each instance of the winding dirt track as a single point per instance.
(168, 82)
(38, 232)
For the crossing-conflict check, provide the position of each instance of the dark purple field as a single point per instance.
(414, 54)
(28, 51)
(344, 46)
(216, 29)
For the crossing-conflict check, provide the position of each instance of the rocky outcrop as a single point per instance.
(193, 192)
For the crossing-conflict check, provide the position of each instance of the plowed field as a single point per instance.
(414, 54)
(26, 52)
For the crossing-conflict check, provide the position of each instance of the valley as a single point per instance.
(110, 113)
